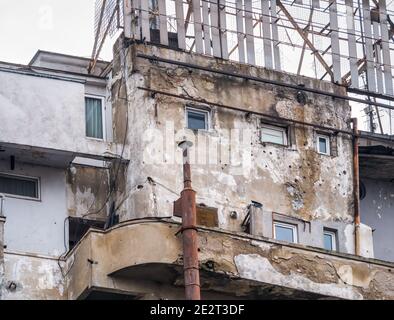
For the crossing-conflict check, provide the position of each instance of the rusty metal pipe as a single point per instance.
(356, 185)
(189, 230)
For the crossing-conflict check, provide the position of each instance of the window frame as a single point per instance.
(206, 112)
(328, 144)
(283, 129)
(333, 235)
(104, 116)
(293, 227)
(23, 177)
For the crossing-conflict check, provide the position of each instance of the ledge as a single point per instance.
(132, 255)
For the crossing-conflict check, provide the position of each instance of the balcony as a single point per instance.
(140, 259)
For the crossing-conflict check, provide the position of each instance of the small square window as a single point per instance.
(274, 134)
(94, 110)
(197, 119)
(330, 240)
(323, 145)
(285, 232)
(19, 186)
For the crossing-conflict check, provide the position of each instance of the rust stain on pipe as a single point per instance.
(189, 230)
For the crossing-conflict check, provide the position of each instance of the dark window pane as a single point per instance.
(196, 120)
(322, 145)
(328, 241)
(284, 234)
(94, 118)
(19, 186)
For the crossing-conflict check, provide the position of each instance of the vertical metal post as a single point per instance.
(180, 22)
(189, 230)
(356, 185)
(240, 31)
(351, 33)
(250, 52)
(335, 46)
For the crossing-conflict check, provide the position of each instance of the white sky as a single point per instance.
(64, 26)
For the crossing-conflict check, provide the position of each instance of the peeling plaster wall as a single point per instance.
(20, 284)
(243, 266)
(37, 226)
(377, 212)
(87, 191)
(297, 268)
(294, 181)
(46, 113)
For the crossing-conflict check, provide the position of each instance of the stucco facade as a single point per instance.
(231, 166)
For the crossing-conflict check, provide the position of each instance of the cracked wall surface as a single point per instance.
(32, 277)
(232, 265)
(293, 180)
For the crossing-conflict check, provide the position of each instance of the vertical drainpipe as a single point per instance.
(356, 185)
(189, 230)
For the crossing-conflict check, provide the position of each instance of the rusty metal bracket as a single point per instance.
(181, 230)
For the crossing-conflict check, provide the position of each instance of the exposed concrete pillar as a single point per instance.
(2, 222)
(366, 241)
(256, 220)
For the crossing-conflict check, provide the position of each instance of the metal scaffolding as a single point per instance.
(348, 42)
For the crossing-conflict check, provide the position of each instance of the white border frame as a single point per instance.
(103, 112)
(206, 112)
(293, 227)
(284, 131)
(333, 235)
(23, 177)
(328, 144)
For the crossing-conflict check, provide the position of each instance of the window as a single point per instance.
(323, 144)
(330, 240)
(197, 119)
(285, 232)
(18, 186)
(274, 134)
(94, 110)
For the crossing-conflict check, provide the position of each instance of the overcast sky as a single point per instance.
(61, 26)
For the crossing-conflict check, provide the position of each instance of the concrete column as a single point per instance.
(256, 220)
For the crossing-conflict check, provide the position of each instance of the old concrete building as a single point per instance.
(90, 174)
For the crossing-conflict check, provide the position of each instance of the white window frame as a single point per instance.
(293, 227)
(328, 144)
(103, 112)
(207, 114)
(23, 177)
(333, 235)
(277, 128)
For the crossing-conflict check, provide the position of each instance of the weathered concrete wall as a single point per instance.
(47, 113)
(37, 226)
(231, 264)
(32, 277)
(87, 191)
(294, 181)
(377, 212)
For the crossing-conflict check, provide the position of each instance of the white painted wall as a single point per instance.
(46, 113)
(37, 226)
